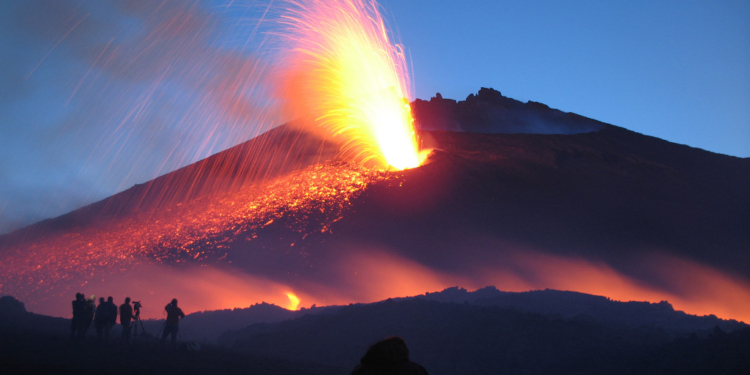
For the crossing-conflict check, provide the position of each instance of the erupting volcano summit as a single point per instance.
(602, 210)
(343, 203)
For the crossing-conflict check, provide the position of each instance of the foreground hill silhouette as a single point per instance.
(37, 344)
(485, 209)
(449, 332)
(451, 338)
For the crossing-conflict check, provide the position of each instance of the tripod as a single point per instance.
(137, 323)
(137, 307)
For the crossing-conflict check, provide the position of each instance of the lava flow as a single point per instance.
(307, 201)
(347, 78)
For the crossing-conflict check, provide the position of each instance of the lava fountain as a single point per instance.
(346, 78)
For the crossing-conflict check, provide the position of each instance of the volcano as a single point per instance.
(516, 195)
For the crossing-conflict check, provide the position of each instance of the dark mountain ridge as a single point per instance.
(207, 326)
(566, 304)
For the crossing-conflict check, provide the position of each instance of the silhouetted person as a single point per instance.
(100, 319)
(112, 311)
(172, 325)
(388, 357)
(77, 323)
(88, 316)
(126, 315)
(105, 318)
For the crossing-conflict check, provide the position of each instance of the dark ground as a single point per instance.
(23, 353)
(466, 339)
(481, 335)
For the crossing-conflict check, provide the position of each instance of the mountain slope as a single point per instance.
(608, 212)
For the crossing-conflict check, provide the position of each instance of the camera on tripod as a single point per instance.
(137, 308)
(137, 315)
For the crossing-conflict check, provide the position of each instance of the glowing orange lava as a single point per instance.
(349, 80)
(293, 301)
(197, 231)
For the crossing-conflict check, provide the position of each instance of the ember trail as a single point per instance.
(343, 81)
(346, 78)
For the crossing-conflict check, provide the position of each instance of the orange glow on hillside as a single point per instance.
(347, 78)
(688, 286)
(375, 275)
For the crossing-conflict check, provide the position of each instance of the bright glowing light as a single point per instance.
(293, 301)
(347, 78)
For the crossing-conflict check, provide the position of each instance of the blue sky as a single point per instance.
(675, 70)
(98, 96)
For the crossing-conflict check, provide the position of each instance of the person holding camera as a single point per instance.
(126, 316)
(172, 325)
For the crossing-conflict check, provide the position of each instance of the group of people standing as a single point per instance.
(104, 317)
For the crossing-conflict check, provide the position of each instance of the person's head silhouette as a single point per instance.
(389, 356)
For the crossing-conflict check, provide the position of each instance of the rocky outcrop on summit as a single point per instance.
(490, 112)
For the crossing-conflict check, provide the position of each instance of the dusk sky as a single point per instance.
(97, 96)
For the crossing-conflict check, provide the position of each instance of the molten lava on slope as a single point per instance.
(507, 210)
(308, 201)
